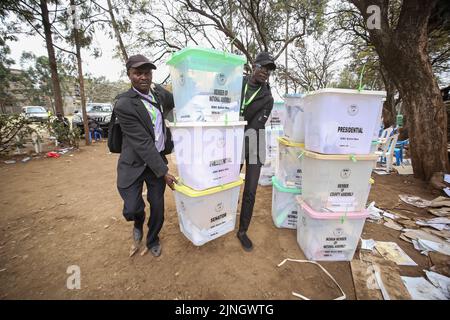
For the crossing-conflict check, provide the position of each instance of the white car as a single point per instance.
(35, 113)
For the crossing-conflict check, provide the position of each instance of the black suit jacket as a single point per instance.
(138, 140)
(256, 115)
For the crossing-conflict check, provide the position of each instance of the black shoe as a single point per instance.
(156, 250)
(138, 234)
(245, 241)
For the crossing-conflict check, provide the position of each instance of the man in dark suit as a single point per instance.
(256, 106)
(145, 143)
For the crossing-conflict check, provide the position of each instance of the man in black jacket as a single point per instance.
(145, 143)
(256, 105)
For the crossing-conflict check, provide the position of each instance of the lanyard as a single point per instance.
(151, 100)
(152, 114)
(247, 102)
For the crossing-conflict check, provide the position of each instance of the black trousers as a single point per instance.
(252, 172)
(134, 206)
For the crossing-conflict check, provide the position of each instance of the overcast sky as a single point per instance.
(106, 65)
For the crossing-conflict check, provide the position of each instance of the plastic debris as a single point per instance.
(52, 154)
(375, 214)
(10, 161)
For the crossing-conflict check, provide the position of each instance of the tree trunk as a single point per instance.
(388, 112)
(81, 80)
(407, 61)
(117, 31)
(403, 52)
(427, 121)
(51, 58)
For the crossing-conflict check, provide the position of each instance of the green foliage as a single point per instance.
(14, 130)
(36, 79)
(63, 133)
(5, 73)
(98, 89)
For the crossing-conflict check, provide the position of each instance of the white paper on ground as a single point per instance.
(380, 172)
(381, 286)
(420, 289)
(393, 225)
(374, 212)
(437, 226)
(392, 251)
(439, 281)
(447, 178)
(441, 220)
(415, 201)
(368, 244)
(434, 246)
(389, 215)
(447, 191)
(420, 248)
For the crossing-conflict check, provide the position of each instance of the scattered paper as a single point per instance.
(407, 223)
(437, 226)
(381, 172)
(447, 178)
(442, 247)
(439, 220)
(439, 281)
(441, 212)
(403, 237)
(443, 233)
(391, 224)
(419, 247)
(447, 191)
(375, 214)
(392, 251)
(415, 201)
(421, 289)
(389, 215)
(440, 202)
(367, 244)
(404, 169)
(422, 234)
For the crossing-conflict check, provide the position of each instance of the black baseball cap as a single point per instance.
(138, 60)
(265, 59)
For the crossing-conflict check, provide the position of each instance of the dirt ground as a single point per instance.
(55, 213)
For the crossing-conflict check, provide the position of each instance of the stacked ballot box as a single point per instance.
(208, 139)
(287, 182)
(272, 133)
(339, 127)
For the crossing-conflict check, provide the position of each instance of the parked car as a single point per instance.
(35, 113)
(100, 112)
